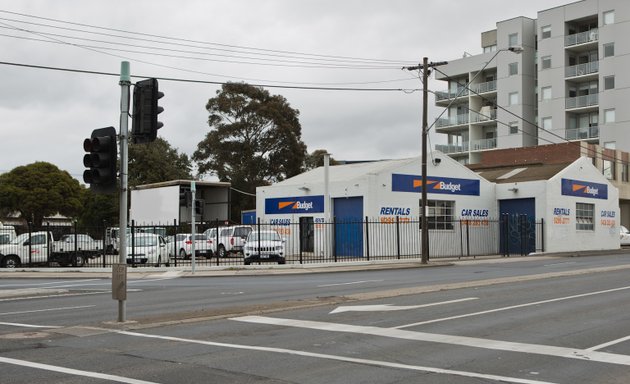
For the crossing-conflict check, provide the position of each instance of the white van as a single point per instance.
(7, 233)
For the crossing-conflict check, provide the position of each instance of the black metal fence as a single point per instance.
(306, 241)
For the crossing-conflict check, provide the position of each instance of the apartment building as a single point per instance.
(561, 77)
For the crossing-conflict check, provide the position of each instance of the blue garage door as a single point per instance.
(518, 226)
(349, 226)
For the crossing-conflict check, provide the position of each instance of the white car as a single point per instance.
(264, 246)
(624, 235)
(203, 245)
(147, 249)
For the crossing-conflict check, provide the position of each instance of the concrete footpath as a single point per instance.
(273, 269)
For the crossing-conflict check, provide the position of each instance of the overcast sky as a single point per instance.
(45, 114)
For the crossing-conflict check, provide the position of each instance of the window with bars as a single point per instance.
(585, 216)
(440, 214)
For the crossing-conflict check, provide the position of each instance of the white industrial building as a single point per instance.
(577, 206)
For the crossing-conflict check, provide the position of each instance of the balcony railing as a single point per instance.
(481, 116)
(582, 133)
(582, 101)
(489, 86)
(453, 120)
(478, 145)
(447, 95)
(581, 38)
(452, 148)
(582, 69)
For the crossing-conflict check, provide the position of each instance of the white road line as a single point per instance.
(512, 307)
(75, 372)
(46, 310)
(29, 325)
(376, 363)
(49, 283)
(608, 344)
(349, 283)
(390, 307)
(537, 349)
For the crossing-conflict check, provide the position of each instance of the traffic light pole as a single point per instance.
(125, 85)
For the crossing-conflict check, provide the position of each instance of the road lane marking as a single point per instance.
(29, 325)
(376, 363)
(48, 283)
(350, 283)
(608, 344)
(512, 307)
(390, 307)
(537, 349)
(75, 372)
(46, 310)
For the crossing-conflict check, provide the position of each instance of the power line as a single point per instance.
(208, 81)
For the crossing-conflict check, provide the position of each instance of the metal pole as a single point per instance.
(125, 84)
(425, 124)
(193, 190)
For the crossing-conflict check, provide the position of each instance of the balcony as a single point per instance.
(448, 95)
(479, 145)
(582, 101)
(452, 121)
(485, 115)
(582, 69)
(581, 38)
(584, 133)
(452, 148)
(490, 86)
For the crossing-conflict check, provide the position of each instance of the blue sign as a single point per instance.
(289, 205)
(444, 185)
(587, 189)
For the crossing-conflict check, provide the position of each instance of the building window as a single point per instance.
(545, 62)
(513, 98)
(585, 216)
(610, 145)
(608, 17)
(545, 93)
(609, 82)
(609, 49)
(545, 31)
(546, 123)
(609, 116)
(512, 39)
(513, 69)
(440, 214)
(624, 172)
(609, 169)
(513, 127)
(490, 48)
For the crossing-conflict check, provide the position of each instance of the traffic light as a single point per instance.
(199, 207)
(185, 197)
(144, 122)
(101, 160)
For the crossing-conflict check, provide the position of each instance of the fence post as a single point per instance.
(104, 241)
(461, 239)
(398, 237)
(334, 238)
(133, 245)
(175, 230)
(542, 235)
(217, 241)
(367, 238)
(467, 238)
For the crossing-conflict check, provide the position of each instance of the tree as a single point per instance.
(155, 162)
(316, 159)
(254, 140)
(38, 190)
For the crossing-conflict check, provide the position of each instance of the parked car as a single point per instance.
(203, 246)
(624, 235)
(84, 242)
(146, 248)
(264, 246)
(230, 239)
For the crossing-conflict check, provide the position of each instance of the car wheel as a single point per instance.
(11, 262)
(182, 254)
(247, 262)
(221, 252)
(78, 261)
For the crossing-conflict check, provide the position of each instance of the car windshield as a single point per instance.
(144, 241)
(20, 239)
(264, 236)
(242, 231)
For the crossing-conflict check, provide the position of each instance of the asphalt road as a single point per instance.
(528, 320)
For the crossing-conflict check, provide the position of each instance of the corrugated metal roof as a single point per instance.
(347, 171)
(520, 173)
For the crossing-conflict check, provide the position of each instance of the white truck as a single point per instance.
(7, 233)
(40, 248)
